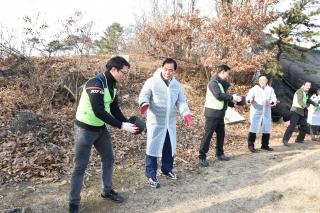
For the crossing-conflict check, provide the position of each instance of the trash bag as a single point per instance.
(242, 102)
(138, 122)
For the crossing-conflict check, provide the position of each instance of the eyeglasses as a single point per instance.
(124, 71)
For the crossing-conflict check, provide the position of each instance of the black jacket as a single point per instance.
(304, 110)
(226, 97)
(95, 84)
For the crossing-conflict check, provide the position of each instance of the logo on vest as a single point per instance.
(94, 91)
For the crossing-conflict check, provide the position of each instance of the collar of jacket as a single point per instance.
(110, 79)
(304, 90)
(262, 87)
(158, 74)
(165, 81)
(224, 83)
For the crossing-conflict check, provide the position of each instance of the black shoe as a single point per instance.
(267, 148)
(154, 182)
(114, 196)
(170, 175)
(223, 158)
(252, 149)
(73, 208)
(299, 141)
(285, 143)
(203, 162)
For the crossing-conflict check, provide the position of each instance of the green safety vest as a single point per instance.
(211, 101)
(85, 113)
(295, 102)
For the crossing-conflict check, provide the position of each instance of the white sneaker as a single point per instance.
(154, 182)
(171, 175)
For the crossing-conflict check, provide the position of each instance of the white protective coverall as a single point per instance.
(163, 103)
(260, 109)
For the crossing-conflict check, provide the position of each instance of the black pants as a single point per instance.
(295, 119)
(264, 140)
(212, 125)
(84, 140)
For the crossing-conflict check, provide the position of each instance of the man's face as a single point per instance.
(168, 71)
(307, 86)
(119, 74)
(224, 75)
(263, 81)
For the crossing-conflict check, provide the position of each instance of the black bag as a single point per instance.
(242, 102)
(138, 122)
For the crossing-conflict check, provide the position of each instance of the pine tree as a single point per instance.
(299, 24)
(111, 40)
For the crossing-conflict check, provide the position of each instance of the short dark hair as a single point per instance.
(222, 67)
(304, 83)
(117, 62)
(264, 74)
(170, 61)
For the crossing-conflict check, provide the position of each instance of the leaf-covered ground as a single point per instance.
(35, 166)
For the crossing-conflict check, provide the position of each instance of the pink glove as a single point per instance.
(144, 108)
(251, 101)
(269, 102)
(187, 119)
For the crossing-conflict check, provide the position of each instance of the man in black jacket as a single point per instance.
(97, 107)
(217, 101)
(298, 114)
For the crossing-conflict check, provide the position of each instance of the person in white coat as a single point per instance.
(314, 116)
(160, 97)
(262, 98)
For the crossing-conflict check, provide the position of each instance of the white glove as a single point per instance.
(274, 103)
(236, 98)
(129, 127)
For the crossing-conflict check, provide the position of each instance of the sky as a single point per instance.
(102, 12)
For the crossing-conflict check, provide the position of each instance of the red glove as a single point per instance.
(144, 108)
(187, 119)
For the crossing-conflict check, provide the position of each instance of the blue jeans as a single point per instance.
(84, 139)
(166, 160)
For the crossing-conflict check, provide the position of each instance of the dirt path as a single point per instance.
(286, 180)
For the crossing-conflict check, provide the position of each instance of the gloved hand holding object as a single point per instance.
(242, 102)
(236, 98)
(138, 123)
(129, 127)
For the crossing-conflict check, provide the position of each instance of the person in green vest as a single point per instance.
(97, 107)
(298, 114)
(217, 101)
